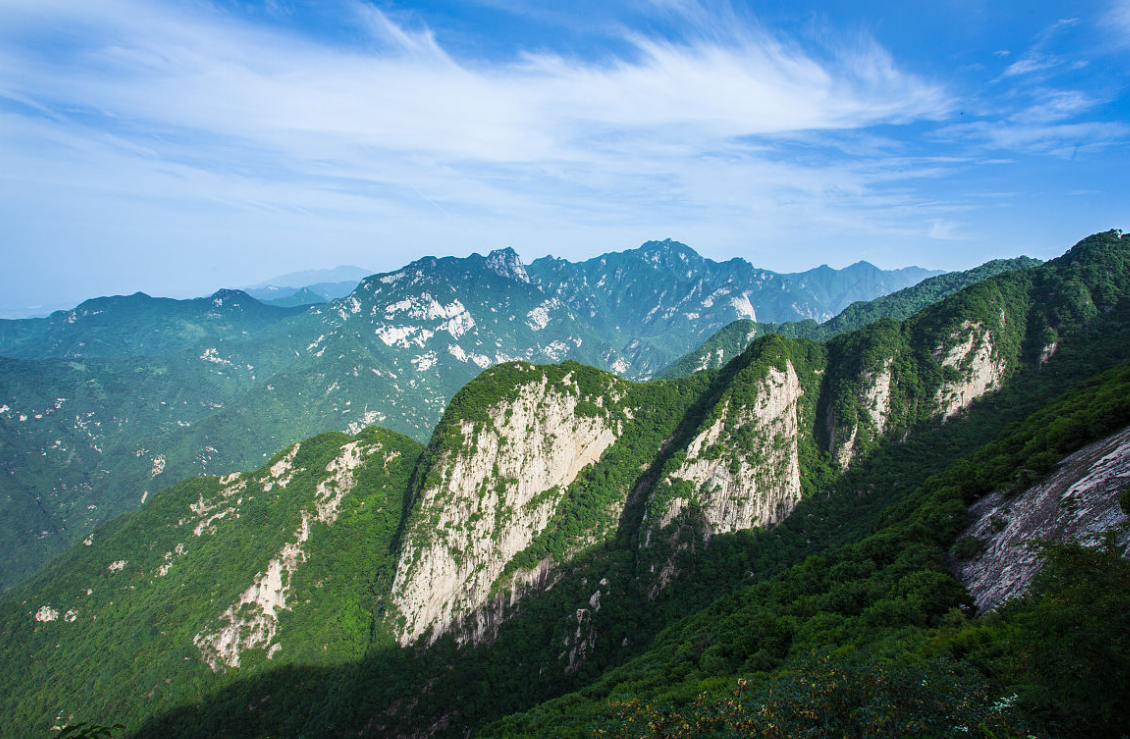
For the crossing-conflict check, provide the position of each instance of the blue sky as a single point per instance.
(176, 147)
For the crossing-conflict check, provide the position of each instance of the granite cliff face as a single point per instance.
(1077, 502)
(749, 482)
(485, 500)
(972, 359)
(873, 398)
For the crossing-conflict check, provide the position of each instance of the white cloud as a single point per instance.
(1118, 17)
(205, 73)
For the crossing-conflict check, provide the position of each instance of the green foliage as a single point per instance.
(1068, 642)
(828, 697)
(887, 598)
(967, 547)
(904, 303)
(88, 730)
(127, 646)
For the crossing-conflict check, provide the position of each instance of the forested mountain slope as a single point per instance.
(139, 326)
(567, 530)
(235, 574)
(733, 338)
(125, 395)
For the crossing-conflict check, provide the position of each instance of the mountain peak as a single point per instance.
(670, 253)
(507, 263)
(666, 246)
(227, 295)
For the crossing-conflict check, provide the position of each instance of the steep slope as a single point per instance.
(496, 478)
(241, 573)
(82, 441)
(741, 469)
(140, 326)
(170, 389)
(432, 326)
(902, 304)
(835, 644)
(1078, 501)
(722, 346)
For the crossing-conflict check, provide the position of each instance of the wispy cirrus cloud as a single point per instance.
(1118, 17)
(184, 104)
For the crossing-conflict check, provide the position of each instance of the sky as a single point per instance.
(179, 146)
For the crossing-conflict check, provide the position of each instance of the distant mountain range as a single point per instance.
(309, 287)
(103, 405)
(305, 278)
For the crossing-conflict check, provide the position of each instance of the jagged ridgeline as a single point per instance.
(561, 518)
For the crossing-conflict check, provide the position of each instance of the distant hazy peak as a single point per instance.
(507, 263)
(666, 246)
(225, 294)
(668, 252)
(342, 273)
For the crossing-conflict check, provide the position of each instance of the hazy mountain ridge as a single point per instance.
(139, 326)
(1016, 339)
(653, 300)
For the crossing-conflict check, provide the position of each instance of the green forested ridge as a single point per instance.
(888, 603)
(853, 584)
(732, 339)
(128, 606)
(140, 326)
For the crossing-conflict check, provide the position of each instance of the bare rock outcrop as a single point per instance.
(874, 399)
(981, 372)
(742, 486)
(253, 620)
(485, 501)
(1077, 502)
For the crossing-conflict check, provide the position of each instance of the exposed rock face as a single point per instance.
(507, 263)
(578, 642)
(252, 621)
(874, 398)
(486, 502)
(745, 488)
(1077, 502)
(481, 626)
(980, 372)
